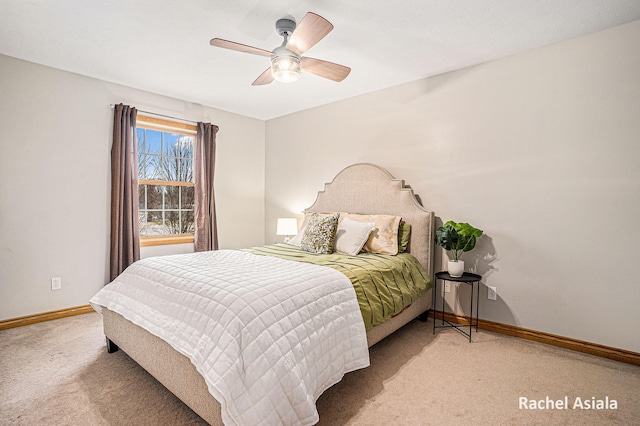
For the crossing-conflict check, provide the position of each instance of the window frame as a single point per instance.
(163, 125)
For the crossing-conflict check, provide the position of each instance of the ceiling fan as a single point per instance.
(287, 60)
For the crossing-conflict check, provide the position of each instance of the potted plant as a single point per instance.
(457, 238)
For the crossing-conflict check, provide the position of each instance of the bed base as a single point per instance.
(174, 370)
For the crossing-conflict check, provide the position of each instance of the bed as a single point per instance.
(359, 188)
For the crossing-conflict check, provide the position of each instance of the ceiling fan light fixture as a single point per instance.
(285, 67)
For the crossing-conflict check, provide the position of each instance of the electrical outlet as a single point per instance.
(492, 293)
(56, 283)
(447, 287)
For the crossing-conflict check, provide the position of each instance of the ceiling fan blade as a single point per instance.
(308, 32)
(226, 44)
(264, 78)
(325, 69)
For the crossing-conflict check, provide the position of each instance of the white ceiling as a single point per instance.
(162, 46)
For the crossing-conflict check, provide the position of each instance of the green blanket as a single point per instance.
(384, 284)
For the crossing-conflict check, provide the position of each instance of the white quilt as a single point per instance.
(268, 335)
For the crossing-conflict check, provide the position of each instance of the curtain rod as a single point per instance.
(160, 115)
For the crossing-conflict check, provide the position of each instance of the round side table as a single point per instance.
(467, 278)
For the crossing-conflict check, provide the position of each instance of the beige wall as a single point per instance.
(540, 150)
(55, 142)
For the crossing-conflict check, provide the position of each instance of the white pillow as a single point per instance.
(297, 240)
(351, 236)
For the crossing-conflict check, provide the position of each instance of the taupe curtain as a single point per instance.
(204, 161)
(125, 238)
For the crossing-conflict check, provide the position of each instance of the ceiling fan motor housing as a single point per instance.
(285, 64)
(285, 26)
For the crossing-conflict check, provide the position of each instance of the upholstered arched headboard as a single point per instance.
(369, 189)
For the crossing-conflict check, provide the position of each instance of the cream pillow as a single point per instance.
(352, 235)
(384, 238)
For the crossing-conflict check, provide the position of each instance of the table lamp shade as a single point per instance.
(287, 226)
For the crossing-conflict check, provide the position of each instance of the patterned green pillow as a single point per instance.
(320, 234)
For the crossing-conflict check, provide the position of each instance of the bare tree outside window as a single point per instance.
(165, 173)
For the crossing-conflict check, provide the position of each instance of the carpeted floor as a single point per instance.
(58, 373)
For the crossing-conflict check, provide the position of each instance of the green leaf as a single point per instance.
(469, 243)
(447, 237)
(466, 230)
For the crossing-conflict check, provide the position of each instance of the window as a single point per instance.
(165, 181)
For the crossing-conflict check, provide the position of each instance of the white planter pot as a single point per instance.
(456, 268)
